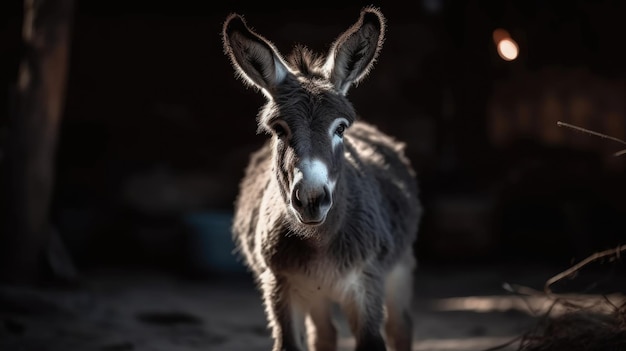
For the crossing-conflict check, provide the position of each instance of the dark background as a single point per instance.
(157, 127)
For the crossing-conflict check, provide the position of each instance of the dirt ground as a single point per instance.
(455, 309)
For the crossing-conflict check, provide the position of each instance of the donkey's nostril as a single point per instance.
(328, 193)
(295, 198)
(325, 197)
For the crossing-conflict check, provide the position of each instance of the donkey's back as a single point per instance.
(381, 158)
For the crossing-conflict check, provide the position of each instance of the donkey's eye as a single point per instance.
(341, 128)
(280, 129)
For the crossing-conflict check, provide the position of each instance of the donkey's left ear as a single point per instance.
(354, 52)
(253, 57)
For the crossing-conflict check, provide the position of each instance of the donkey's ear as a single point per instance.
(253, 57)
(354, 52)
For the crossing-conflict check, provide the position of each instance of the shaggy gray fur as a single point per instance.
(360, 254)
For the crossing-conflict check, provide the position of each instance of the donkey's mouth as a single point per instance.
(312, 222)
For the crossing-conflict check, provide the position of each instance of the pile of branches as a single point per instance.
(578, 330)
(580, 323)
(575, 322)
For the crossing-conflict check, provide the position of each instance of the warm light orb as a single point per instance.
(508, 49)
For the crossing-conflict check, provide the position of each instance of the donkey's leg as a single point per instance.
(285, 315)
(321, 329)
(363, 306)
(399, 294)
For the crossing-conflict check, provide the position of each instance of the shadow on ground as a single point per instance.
(455, 310)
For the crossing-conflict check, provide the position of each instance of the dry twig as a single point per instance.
(585, 130)
(616, 252)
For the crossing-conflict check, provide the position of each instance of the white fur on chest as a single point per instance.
(324, 281)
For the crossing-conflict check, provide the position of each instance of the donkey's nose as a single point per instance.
(310, 199)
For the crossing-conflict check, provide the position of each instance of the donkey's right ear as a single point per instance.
(253, 57)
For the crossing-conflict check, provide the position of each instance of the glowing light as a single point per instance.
(508, 49)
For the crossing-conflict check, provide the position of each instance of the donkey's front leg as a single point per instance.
(285, 316)
(363, 305)
(321, 329)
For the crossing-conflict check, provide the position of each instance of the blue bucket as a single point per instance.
(211, 244)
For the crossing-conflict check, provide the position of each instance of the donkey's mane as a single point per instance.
(307, 62)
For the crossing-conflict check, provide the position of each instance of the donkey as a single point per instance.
(328, 209)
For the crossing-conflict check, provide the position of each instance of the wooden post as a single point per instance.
(34, 121)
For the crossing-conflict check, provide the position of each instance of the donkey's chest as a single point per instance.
(312, 271)
(288, 253)
(324, 280)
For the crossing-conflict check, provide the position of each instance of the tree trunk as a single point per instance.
(34, 121)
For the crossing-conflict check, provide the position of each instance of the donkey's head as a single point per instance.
(307, 112)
